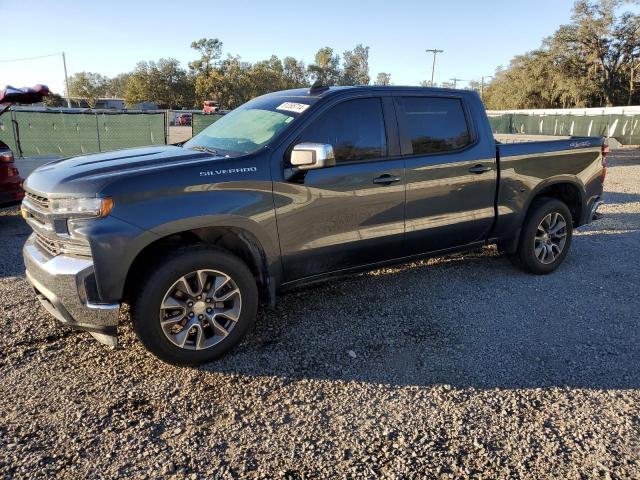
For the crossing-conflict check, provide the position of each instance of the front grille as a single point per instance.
(57, 247)
(52, 247)
(38, 201)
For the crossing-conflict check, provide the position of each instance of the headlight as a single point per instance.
(81, 207)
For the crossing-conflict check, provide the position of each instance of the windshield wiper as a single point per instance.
(205, 149)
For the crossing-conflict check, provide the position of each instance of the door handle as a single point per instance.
(478, 169)
(386, 179)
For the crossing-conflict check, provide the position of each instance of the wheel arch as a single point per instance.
(568, 190)
(243, 242)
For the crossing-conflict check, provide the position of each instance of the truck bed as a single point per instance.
(530, 167)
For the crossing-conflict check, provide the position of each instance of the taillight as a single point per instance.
(6, 157)
(605, 152)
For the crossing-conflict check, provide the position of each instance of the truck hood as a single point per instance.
(88, 174)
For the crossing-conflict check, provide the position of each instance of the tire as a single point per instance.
(174, 284)
(542, 251)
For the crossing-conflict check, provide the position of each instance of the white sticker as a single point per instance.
(293, 107)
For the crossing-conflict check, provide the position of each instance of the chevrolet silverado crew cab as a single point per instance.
(288, 189)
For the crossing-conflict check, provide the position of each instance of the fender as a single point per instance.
(510, 220)
(245, 205)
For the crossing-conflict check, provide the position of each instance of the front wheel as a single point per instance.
(546, 237)
(195, 306)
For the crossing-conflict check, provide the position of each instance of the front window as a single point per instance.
(355, 130)
(249, 127)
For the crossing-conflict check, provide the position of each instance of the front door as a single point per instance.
(351, 214)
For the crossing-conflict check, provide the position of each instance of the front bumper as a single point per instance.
(61, 284)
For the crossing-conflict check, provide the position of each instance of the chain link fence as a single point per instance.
(625, 128)
(66, 133)
(201, 121)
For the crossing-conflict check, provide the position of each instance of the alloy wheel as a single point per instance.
(200, 309)
(550, 238)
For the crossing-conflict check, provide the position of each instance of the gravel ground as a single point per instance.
(455, 367)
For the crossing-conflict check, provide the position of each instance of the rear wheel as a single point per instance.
(195, 306)
(546, 237)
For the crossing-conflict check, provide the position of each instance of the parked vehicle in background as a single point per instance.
(291, 188)
(210, 106)
(11, 191)
(184, 119)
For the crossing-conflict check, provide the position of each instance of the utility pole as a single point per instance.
(456, 80)
(435, 52)
(66, 79)
(482, 85)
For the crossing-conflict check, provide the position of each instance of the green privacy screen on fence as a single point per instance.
(624, 128)
(78, 133)
(6, 132)
(200, 121)
(64, 134)
(126, 130)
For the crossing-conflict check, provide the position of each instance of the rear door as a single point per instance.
(451, 173)
(351, 214)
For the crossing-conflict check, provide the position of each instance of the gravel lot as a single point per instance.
(456, 367)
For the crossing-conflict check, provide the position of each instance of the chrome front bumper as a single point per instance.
(61, 283)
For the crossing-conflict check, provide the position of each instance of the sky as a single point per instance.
(111, 37)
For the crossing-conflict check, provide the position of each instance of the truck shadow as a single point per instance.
(468, 322)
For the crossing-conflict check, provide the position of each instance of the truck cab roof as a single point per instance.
(333, 90)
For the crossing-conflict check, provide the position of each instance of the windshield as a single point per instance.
(249, 127)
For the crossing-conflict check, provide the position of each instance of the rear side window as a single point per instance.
(435, 125)
(355, 130)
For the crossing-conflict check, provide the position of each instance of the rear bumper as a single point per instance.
(594, 214)
(61, 284)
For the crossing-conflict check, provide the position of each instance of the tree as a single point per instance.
(162, 82)
(210, 50)
(355, 66)
(326, 68)
(230, 84)
(586, 63)
(88, 86)
(54, 100)
(474, 86)
(117, 86)
(383, 79)
(266, 76)
(294, 73)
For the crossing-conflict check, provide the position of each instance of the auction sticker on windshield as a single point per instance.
(293, 107)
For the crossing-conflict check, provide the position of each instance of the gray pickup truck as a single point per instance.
(289, 189)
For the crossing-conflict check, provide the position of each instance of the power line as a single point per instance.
(64, 65)
(456, 80)
(30, 58)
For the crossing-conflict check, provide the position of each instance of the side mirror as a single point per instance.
(309, 156)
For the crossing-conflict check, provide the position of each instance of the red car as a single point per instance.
(184, 119)
(210, 106)
(10, 180)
